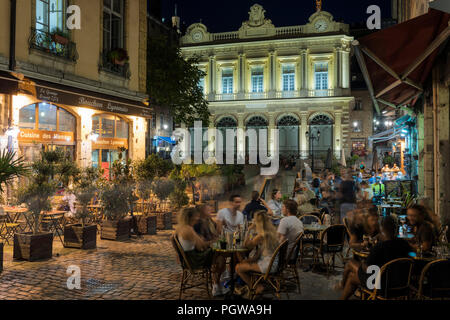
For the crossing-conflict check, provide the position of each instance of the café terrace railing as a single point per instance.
(45, 42)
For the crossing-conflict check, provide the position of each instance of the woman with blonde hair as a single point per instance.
(266, 240)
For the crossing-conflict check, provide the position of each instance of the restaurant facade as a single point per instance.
(83, 93)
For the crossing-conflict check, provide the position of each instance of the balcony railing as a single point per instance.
(278, 95)
(46, 42)
(121, 70)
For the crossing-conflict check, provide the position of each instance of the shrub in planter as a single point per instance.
(118, 56)
(81, 235)
(162, 188)
(146, 222)
(115, 204)
(60, 36)
(52, 170)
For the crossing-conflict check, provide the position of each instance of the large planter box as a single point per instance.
(33, 247)
(164, 220)
(1, 257)
(116, 230)
(75, 236)
(146, 224)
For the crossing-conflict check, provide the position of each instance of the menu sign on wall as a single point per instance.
(41, 136)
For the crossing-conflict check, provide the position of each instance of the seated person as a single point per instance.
(254, 205)
(229, 219)
(390, 248)
(364, 225)
(206, 227)
(267, 241)
(196, 249)
(422, 228)
(304, 206)
(366, 192)
(275, 204)
(290, 227)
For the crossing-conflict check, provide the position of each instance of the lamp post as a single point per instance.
(312, 137)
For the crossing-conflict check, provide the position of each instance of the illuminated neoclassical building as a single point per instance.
(293, 78)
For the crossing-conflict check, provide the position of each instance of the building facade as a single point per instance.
(292, 78)
(82, 90)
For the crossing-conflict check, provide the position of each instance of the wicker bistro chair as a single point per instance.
(394, 279)
(332, 241)
(191, 278)
(292, 258)
(7, 229)
(276, 279)
(434, 281)
(308, 237)
(347, 236)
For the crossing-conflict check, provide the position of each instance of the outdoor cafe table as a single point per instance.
(13, 214)
(56, 221)
(315, 230)
(386, 208)
(232, 253)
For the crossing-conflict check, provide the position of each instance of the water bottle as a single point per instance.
(400, 231)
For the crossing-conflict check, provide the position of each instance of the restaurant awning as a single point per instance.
(72, 96)
(396, 61)
(166, 139)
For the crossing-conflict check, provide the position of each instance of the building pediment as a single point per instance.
(257, 25)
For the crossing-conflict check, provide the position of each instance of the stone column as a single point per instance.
(240, 137)
(241, 76)
(304, 143)
(212, 78)
(304, 73)
(338, 143)
(272, 74)
(345, 67)
(211, 137)
(270, 134)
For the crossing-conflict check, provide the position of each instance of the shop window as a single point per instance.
(67, 122)
(121, 129)
(47, 118)
(27, 117)
(109, 126)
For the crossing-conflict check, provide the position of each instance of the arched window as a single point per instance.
(47, 117)
(110, 126)
(226, 122)
(321, 119)
(257, 121)
(288, 121)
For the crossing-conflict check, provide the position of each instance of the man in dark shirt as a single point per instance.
(254, 205)
(423, 230)
(390, 248)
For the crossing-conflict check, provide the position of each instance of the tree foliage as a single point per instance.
(172, 82)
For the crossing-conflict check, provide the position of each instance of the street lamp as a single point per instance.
(312, 137)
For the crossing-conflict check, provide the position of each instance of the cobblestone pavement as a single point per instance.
(143, 268)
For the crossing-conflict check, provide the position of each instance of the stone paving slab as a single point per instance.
(143, 268)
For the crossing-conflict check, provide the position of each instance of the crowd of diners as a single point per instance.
(337, 199)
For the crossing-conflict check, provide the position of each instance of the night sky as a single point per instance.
(221, 16)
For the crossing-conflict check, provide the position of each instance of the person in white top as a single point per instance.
(290, 227)
(229, 219)
(275, 205)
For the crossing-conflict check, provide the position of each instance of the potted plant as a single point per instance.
(82, 235)
(60, 36)
(118, 56)
(146, 222)
(162, 188)
(51, 171)
(116, 226)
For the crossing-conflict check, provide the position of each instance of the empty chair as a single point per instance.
(394, 281)
(309, 219)
(434, 281)
(332, 242)
(292, 259)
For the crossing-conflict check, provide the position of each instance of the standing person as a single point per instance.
(254, 205)
(348, 198)
(229, 219)
(378, 191)
(290, 227)
(276, 206)
(69, 199)
(267, 241)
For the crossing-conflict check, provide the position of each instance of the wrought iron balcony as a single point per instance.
(47, 42)
(121, 70)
